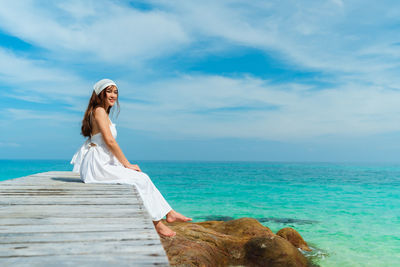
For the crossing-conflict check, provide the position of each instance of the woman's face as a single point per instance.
(111, 95)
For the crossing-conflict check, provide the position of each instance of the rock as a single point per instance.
(243, 227)
(273, 251)
(293, 237)
(236, 242)
(195, 245)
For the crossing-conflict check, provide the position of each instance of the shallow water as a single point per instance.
(349, 213)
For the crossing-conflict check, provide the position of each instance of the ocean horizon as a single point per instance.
(346, 212)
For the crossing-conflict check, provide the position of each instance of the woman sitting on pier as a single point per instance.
(100, 159)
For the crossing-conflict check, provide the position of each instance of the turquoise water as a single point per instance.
(349, 213)
(18, 168)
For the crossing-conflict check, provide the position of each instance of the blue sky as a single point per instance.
(216, 80)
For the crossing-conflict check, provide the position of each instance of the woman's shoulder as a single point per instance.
(99, 111)
(101, 115)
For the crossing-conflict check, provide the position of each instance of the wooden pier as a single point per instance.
(53, 219)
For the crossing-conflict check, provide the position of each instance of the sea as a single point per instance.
(348, 213)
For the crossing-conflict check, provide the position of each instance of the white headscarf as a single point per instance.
(100, 85)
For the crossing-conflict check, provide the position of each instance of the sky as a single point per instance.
(210, 80)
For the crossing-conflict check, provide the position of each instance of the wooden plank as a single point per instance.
(72, 221)
(73, 236)
(72, 260)
(114, 215)
(100, 246)
(110, 195)
(71, 228)
(53, 218)
(23, 200)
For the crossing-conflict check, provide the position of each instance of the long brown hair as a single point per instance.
(94, 102)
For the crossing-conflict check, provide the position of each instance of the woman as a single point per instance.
(100, 159)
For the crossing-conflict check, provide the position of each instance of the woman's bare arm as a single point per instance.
(102, 121)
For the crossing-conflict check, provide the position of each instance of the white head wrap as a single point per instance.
(100, 85)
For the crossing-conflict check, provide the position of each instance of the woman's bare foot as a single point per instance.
(163, 230)
(174, 216)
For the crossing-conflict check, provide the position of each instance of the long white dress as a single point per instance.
(96, 164)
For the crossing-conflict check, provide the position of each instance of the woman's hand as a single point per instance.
(133, 167)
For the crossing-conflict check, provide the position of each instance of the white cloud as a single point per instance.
(96, 30)
(37, 81)
(50, 117)
(20, 69)
(357, 51)
(23, 96)
(323, 36)
(338, 2)
(204, 106)
(3, 144)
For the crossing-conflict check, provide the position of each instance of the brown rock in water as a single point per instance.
(194, 245)
(243, 227)
(236, 242)
(293, 237)
(273, 251)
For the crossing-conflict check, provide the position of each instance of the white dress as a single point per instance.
(96, 164)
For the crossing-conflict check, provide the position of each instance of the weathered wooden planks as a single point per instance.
(53, 219)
